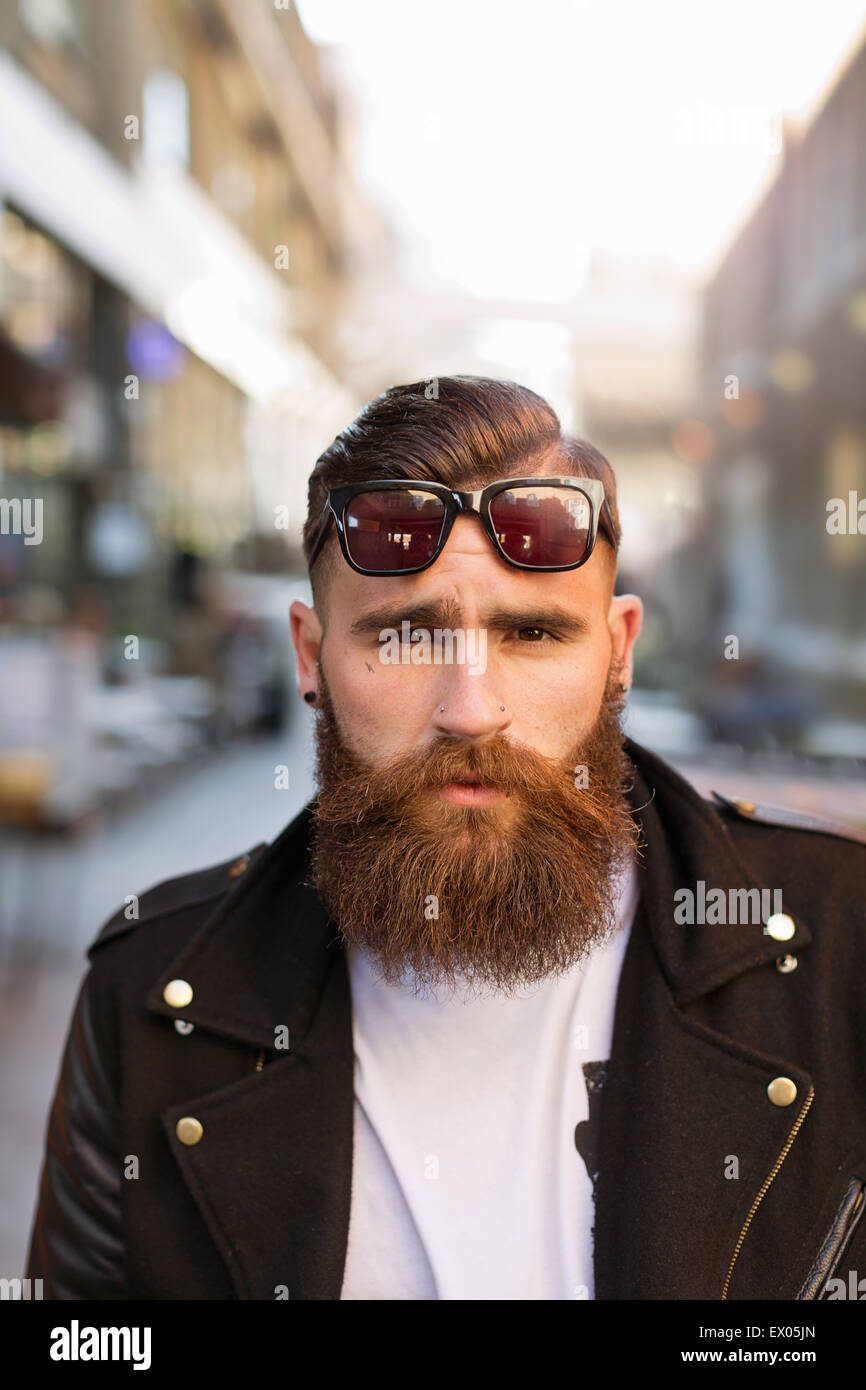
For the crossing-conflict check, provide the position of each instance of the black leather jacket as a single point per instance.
(709, 1020)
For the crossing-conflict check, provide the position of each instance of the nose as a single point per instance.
(469, 708)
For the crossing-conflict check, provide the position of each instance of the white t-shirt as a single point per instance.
(474, 1162)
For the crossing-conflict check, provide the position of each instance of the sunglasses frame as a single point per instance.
(475, 503)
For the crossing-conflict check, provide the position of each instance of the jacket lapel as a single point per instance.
(272, 1172)
(689, 1135)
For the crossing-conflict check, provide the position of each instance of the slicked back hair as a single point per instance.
(463, 431)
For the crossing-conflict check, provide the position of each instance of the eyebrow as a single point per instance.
(446, 614)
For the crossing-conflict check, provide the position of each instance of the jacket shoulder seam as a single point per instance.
(118, 924)
(786, 818)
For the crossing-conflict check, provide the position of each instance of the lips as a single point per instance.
(468, 792)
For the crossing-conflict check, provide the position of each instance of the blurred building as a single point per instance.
(179, 227)
(783, 390)
(618, 360)
(636, 390)
(177, 231)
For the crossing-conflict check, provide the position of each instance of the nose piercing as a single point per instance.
(442, 707)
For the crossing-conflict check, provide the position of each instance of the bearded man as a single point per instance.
(451, 1035)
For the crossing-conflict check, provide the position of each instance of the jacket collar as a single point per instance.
(261, 959)
(684, 842)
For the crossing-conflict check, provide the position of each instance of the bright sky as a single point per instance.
(507, 138)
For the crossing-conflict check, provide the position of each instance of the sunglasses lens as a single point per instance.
(393, 530)
(540, 525)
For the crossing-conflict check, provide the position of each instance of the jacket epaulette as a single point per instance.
(175, 894)
(767, 814)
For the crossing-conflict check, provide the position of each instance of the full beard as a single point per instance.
(498, 896)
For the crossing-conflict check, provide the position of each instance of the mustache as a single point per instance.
(357, 795)
(502, 763)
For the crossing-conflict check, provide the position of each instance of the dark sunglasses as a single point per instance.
(400, 525)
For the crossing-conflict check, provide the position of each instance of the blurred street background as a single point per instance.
(227, 224)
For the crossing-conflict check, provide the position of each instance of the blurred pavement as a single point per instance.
(61, 891)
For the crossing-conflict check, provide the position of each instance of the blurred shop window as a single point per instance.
(165, 108)
(45, 299)
(118, 541)
(85, 421)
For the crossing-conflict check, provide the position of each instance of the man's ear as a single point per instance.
(624, 618)
(307, 640)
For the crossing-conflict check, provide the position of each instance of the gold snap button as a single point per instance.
(240, 866)
(785, 964)
(780, 926)
(782, 1090)
(177, 993)
(188, 1130)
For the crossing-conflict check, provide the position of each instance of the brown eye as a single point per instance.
(537, 633)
